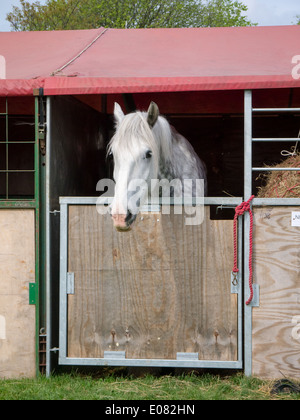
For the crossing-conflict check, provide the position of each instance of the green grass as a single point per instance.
(113, 387)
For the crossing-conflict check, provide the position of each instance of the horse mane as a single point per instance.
(135, 129)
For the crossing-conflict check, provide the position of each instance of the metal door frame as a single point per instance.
(244, 311)
(118, 358)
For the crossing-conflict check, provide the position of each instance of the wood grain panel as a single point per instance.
(17, 317)
(159, 289)
(276, 348)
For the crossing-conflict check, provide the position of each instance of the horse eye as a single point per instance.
(148, 154)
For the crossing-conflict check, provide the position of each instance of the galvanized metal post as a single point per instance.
(48, 241)
(247, 195)
(37, 229)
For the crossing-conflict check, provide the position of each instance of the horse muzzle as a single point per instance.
(122, 222)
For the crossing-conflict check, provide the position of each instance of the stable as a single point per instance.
(75, 292)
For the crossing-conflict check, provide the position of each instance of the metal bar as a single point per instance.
(20, 204)
(42, 206)
(18, 142)
(37, 234)
(247, 195)
(276, 202)
(283, 139)
(274, 169)
(248, 145)
(48, 242)
(208, 201)
(6, 157)
(17, 171)
(213, 364)
(240, 291)
(63, 310)
(276, 109)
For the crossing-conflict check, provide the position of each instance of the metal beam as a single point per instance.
(247, 195)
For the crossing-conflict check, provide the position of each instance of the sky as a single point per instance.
(263, 12)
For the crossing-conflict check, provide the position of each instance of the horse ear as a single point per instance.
(118, 113)
(153, 113)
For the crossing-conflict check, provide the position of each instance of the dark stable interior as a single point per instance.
(213, 122)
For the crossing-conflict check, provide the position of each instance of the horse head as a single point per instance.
(135, 152)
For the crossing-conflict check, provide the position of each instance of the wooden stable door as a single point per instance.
(162, 288)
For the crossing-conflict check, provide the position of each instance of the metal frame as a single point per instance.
(118, 358)
(248, 169)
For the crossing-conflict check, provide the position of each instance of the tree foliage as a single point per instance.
(88, 14)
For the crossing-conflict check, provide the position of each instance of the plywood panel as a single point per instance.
(17, 317)
(276, 341)
(159, 289)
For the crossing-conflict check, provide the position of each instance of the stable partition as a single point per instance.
(276, 322)
(17, 291)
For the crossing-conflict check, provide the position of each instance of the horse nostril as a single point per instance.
(128, 217)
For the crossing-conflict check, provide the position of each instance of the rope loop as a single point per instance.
(239, 211)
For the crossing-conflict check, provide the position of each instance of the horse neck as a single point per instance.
(166, 169)
(165, 137)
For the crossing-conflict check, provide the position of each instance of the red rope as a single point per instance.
(239, 211)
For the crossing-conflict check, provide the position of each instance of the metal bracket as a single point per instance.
(70, 284)
(114, 355)
(255, 301)
(32, 293)
(187, 356)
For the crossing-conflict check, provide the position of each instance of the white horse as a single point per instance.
(145, 147)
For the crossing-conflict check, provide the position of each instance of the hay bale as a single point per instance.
(282, 184)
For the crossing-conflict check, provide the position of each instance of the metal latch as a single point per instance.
(70, 284)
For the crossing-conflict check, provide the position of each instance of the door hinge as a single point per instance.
(32, 294)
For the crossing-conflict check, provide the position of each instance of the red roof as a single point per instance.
(149, 60)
